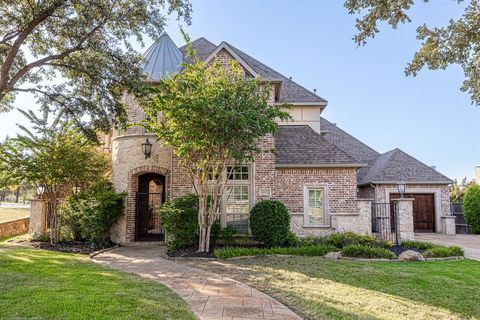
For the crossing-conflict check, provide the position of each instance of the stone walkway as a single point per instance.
(469, 242)
(210, 296)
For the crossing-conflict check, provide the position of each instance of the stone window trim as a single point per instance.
(326, 213)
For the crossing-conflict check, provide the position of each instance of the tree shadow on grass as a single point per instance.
(343, 289)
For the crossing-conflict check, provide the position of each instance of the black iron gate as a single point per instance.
(384, 221)
(148, 226)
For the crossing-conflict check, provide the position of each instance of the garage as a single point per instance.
(423, 210)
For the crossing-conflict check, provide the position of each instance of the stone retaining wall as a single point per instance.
(13, 228)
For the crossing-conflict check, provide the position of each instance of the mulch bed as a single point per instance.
(69, 247)
(190, 253)
(397, 249)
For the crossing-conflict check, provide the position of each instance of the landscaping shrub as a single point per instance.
(344, 239)
(471, 208)
(179, 217)
(365, 251)
(292, 240)
(442, 252)
(298, 251)
(420, 245)
(91, 212)
(227, 235)
(270, 223)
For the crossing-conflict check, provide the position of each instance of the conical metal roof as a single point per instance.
(163, 59)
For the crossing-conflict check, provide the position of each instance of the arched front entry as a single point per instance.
(150, 194)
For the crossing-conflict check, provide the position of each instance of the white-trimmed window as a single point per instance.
(315, 205)
(237, 198)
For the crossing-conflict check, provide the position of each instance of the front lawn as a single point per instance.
(324, 289)
(39, 284)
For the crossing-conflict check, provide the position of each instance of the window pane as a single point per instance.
(238, 208)
(315, 208)
(237, 173)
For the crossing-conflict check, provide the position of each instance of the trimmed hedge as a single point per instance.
(343, 239)
(443, 252)
(270, 223)
(420, 245)
(471, 208)
(365, 251)
(296, 251)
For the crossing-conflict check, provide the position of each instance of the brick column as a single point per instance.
(448, 225)
(404, 218)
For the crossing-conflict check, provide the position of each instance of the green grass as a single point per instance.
(323, 289)
(39, 284)
(10, 214)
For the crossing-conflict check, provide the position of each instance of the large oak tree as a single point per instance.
(441, 46)
(75, 55)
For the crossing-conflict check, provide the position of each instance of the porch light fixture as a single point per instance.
(401, 186)
(147, 148)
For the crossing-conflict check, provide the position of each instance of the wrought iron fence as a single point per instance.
(384, 221)
(148, 226)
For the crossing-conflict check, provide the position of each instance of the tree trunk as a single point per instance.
(17, 194)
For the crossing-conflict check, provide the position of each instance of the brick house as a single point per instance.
(327, 178)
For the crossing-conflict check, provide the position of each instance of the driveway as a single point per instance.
(211, 296)
(469, 242)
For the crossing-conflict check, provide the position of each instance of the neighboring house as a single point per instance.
(319, 171)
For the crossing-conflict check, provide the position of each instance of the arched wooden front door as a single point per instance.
(150, 195)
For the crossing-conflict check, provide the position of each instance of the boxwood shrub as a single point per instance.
(365, 251)
(343, 239)
(270, 223)
(443, 252)
(313, 250)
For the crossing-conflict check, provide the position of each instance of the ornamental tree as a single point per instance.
(456, 43)
(75, 55)
(56, 157)
(212, 116)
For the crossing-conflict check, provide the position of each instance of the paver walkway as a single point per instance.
(469, 242)
(210, 295)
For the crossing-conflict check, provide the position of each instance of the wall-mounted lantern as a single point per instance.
(401, 186)
(147, 148)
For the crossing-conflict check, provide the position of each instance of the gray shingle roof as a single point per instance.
(389, 167)
(162, 59)
(300, 145)
(396, 165)
(291, 92)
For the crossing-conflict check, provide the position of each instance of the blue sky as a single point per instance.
(368, 94)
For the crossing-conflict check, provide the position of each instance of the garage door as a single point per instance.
(423, 210)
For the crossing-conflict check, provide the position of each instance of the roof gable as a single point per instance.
(396, 165)
(225, 46)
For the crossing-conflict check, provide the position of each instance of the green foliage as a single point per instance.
(228, 235)
(42, 237)
(343, 239)
(212, 117)
(457, 43)
(443, 252)
(458, 190)
(471, 208)
(297, 251)
(270, 223)
(292, 240)
(91, 212)
(179, 218)
(366, 251)
(76, 55)
(420, 245)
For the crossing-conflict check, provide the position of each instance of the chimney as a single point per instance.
(477, 174)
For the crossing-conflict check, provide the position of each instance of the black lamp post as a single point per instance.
(147, 148)
(401, 186)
